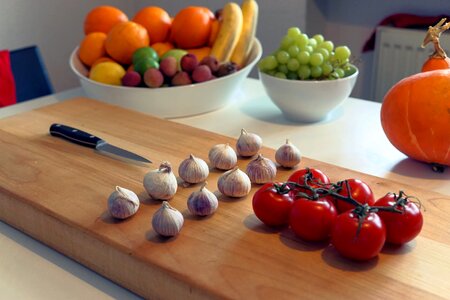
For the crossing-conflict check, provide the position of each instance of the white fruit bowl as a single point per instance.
(168, 102)
(307, 100)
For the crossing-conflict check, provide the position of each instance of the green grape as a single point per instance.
(301, 40)
(293, 50)
(333, 76)
(293, 32)
(309, 48)
(269, 62)
(340, 72)
(312, 42)
(282, 56)
(303, 57)
(324, 53)
(319, 38)
(271, 72)
(316, 71)
(316, 59)
(327, 68)
(304, 71)
(280, 75)
(293, 64)
(341, 53)
(327, 45)
(292, 75)
(349, 69)
(282, 68)
(286, 41)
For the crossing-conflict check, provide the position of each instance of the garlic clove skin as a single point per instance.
(193, 170)
(288, 155)
(222, 157)
(202, 202)
(248, 144)
(261, 170)
(167, 221)
(123, 203)
(161, 183)
(234, 183)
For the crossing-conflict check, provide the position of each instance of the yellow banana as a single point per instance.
(229, 32)
(244, 45)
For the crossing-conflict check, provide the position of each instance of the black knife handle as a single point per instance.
(74, 135)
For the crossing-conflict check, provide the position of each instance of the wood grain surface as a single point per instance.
(56, 191)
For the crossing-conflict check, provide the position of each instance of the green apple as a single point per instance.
(177, 53)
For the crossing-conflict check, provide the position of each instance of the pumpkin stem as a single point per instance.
(433, 34)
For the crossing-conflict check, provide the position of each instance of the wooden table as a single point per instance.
(42, 273)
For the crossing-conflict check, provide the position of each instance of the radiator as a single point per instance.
(398, 54)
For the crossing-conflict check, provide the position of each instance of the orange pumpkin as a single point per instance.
(415, 116)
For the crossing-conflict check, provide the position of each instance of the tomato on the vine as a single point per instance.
(358, 234)
(317, 177)
(312, 220)
(272, 203)
(360, 191)
(400, 227)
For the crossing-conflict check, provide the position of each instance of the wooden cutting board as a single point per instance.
(56, 192)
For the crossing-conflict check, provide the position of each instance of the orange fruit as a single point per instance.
(125, 38)
(157, 22)
(92, 47)
(103, 18)
(101, 59)
(191, 27)
(215, 26)
(162, 48)
(200, 53)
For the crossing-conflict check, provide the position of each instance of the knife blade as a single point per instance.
(86, 139)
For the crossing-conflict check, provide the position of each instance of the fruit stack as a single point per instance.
(156, 50)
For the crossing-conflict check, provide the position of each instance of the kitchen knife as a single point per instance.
(88, 140)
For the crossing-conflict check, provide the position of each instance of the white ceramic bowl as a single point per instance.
(168, 102)
(307, 100)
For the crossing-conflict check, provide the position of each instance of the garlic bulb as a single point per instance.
(234, 183)
(222, 157)
(123, 203)
(202, 202)
(167, 221)
(161, 183)
(261, 170)
(248, 144)
(193, 170)
(288, 155)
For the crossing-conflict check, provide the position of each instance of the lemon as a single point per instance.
(108, 73)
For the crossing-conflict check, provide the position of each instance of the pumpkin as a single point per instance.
(415, 115)
(436, 63)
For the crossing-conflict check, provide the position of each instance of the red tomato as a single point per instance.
(360, 191)
(272, 204)
(362, 245)
(312, 220)
(314, 178)
(400, 227)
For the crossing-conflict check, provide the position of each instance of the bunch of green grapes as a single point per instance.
(302, 57)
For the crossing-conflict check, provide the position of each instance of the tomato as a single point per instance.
(314, 178)
(312, 220)
(317, 176)
(400, 227)
(360, 191)
(358, 241)
(272, 204)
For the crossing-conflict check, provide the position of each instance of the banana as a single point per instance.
(229, 32)
(244, 45)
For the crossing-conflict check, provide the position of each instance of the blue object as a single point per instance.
(30, 74)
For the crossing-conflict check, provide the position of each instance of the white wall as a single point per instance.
(56, 26)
